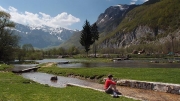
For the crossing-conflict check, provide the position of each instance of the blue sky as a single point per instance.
(69, 14)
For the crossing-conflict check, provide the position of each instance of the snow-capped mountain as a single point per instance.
(42, 36)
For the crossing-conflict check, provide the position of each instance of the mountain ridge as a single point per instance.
(42, 36)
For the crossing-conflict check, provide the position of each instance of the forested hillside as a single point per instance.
(150, 22)
(164, 15)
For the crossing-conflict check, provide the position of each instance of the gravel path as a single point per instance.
(144, 95)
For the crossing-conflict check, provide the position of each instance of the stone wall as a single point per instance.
(156, 86)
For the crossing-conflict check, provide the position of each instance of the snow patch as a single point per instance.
(59, 38)
(121, 7)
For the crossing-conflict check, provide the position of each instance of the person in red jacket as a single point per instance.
(110, 85)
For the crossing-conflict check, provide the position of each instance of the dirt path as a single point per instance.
(49, 64)
(145, 95)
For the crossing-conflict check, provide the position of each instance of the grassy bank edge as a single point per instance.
(165, 75)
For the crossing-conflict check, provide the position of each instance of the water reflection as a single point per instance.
(123, 63)
(56, 60)
(44, 78)
(75, 63)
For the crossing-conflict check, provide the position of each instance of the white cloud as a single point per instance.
(134, 1)
(144, 0)
(61, 20)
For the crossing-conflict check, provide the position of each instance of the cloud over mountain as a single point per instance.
(27, 18)
(135, 1)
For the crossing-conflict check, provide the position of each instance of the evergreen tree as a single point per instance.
(95, 33)
(86, 38)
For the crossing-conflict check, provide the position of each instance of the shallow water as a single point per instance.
(123, 63)
(44, 78)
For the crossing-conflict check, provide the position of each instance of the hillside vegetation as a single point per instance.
(159, 15)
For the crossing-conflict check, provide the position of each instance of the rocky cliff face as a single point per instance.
(122, 39)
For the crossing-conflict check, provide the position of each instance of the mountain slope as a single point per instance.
(162, 14)
(112, 16)
(154, 19)
(72, 41)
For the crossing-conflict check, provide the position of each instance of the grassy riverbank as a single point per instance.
(4, 67)
(166, 75)
(15, 88)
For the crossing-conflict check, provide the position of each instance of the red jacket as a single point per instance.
(108, 83)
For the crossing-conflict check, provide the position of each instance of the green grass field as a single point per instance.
(14, 87)
(166, 75)
(4, 67)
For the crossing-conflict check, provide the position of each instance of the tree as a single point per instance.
(86, 37)
(54, 51)
(24, 52)
(8, 41)
(95, 33)
(20, 54)
(61, 51)
(28, 47)
(5, 21)
(73, 50)
(172, 42)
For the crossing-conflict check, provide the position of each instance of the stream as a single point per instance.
(44, 78)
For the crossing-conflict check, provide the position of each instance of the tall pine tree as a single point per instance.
(95, 33)
(86, 38)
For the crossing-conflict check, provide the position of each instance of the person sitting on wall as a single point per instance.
(110, 86)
